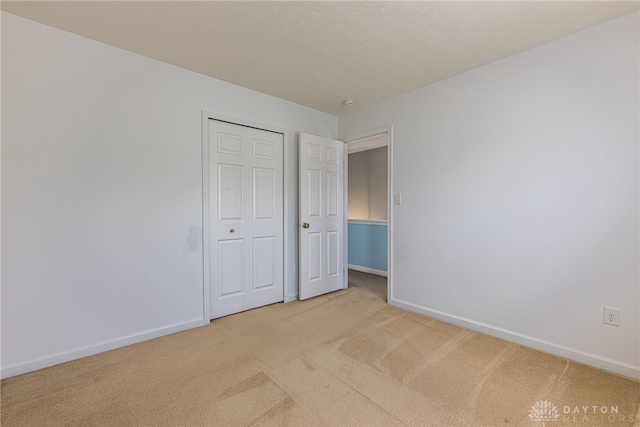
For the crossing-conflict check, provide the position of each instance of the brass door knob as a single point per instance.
(305, 225)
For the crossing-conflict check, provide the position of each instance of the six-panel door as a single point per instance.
(322, 216)
(245, 217)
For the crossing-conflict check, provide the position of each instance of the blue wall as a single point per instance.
(368, 245)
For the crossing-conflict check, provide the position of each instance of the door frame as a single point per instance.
(389, 131)
(206, 224)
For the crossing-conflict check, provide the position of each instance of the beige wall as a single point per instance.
(368, 184)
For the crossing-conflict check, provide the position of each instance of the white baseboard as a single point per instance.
(90, 350)
(604, 363)
(367, 270)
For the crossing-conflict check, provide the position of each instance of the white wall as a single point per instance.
(358, 187)
(520, 190)
(368, 184)
(102, 192)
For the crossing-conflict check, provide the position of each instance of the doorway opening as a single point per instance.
(369, 212)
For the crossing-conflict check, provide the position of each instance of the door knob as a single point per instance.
(232, 231)
(305, 225)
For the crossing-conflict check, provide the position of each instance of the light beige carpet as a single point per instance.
(342, 359)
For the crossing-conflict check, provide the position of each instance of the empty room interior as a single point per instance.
(320, 213)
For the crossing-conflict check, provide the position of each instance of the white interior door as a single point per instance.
(246, 217)
(322, 216)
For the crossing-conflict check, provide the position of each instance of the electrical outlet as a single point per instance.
(611, 316)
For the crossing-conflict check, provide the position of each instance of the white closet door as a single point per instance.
(246, 217)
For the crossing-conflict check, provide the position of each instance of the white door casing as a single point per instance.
(322, 216)
(246, 227)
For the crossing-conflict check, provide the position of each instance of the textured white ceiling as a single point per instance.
(319, 53)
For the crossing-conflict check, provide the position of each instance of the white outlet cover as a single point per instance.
(611, 316)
